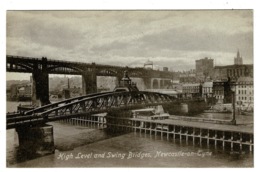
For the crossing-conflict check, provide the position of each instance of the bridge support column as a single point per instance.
(147, 83)
(89, 81)
(36, 140)
(40, 86)
(161, 85)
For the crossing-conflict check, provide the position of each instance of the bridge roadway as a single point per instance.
(88, 105)
(28, 65)
(42, 67)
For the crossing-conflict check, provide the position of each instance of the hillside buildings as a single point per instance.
(220, 82)
(207, 90)
(204, 68)
(234, 71)
(245, 93)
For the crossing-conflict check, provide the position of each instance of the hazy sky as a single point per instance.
(129, 38)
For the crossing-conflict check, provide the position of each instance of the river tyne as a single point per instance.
(88, 146)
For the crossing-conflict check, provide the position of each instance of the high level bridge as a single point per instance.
(42, 67)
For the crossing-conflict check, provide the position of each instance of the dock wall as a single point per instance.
(219, 138)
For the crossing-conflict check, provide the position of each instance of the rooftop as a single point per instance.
(191, 84)
(233, 66)
(207, 84)
(245, 79)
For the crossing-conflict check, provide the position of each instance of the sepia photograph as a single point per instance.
(130, 88)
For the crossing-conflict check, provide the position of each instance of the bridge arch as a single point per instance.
(107, 72)
(155, 84)
(66, 68)
(23, 66)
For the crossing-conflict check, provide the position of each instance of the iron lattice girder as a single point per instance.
(91, 104)
(27, 65)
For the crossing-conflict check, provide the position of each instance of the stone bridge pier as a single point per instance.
(36, 140)
(40, 84)
(89, 80)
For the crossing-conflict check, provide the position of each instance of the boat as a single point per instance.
(150, 114)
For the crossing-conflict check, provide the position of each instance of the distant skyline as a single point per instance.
(174, 39)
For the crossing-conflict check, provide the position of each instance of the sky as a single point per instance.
(173, 39)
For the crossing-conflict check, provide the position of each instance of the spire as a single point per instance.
(238, 59)
(238, 54)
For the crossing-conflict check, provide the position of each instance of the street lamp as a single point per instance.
(233, 90)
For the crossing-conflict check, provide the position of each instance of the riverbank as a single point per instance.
(140, 150)
(99, 148)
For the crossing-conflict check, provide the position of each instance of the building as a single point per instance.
(222, 91)
(238, 60)
(148, 64)
(165, 69)
(187, 77)
(245, 93)
(20, 92)
(24, 92)
(207, 89)
(218, 91)
(233, 71)
(204, 68)
(220, 73)
(192, 90)
(236, 71)
(13, 91)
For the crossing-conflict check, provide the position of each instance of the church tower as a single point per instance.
(238, 60)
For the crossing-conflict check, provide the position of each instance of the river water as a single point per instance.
(80, 146)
